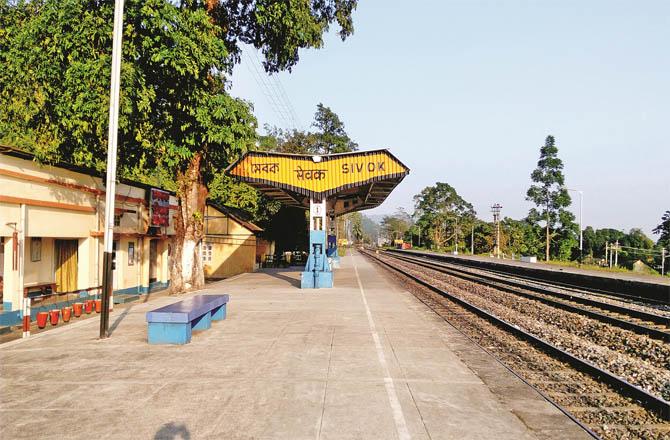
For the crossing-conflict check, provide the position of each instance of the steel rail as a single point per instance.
(646, 399)
(503, 285)
(575, 287)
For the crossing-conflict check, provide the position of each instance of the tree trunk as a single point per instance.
(547, 249)
(186, 271)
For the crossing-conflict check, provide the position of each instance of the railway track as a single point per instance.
(633, 319)
(607, 404)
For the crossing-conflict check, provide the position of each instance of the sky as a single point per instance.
(465, 92)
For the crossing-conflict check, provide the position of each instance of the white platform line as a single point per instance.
(398, 416)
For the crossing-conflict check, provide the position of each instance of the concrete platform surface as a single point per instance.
(365, 360)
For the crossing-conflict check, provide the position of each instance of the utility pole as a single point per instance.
(662, 261)
(606, 249)
(611, 254)
(495, 209)
(616, 254)
(110, 187)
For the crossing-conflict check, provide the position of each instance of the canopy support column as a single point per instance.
(317, 272)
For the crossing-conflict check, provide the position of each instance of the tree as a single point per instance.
(357, 226)
(331, 136)
(395, 226)
(519, 237)
(551, 197)
(176, 117)
(442, 214)
(663, 229)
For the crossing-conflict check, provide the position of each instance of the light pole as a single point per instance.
(581, 233)
(110, 187)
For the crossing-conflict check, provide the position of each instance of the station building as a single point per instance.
(51, 234)
(231, 245)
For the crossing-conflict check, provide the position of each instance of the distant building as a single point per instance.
(230, 244)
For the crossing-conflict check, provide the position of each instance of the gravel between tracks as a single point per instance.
(658, 309)
(639, 359)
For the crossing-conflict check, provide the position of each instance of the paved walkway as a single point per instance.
(364, 360)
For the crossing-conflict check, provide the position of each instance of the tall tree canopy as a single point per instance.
(176, 118)
(442, 214)
(330, 136)
(551, 198)
(663, 229)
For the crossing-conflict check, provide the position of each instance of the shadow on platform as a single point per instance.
(170, 431)
(282, 274)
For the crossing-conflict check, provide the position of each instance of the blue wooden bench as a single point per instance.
(173, 324)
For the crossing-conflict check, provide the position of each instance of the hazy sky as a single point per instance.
(465, 92)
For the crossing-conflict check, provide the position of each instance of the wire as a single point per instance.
(273, 90)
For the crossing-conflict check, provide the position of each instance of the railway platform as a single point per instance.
(364, 360)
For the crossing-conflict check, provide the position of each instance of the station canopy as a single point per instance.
(348, 181)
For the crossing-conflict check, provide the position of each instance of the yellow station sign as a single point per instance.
(317, 175)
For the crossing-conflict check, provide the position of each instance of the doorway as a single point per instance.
(66, 265)
(153, 261)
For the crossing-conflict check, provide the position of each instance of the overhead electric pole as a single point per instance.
(495, 209)
(110, 184)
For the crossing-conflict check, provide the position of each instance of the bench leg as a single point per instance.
(202, 323)
(219, 313)
(169, 333)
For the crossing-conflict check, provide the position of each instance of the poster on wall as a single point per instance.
(160, 208)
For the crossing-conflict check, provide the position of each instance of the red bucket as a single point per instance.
(67, 312)
(55, 316)
(78, 308)
(98, 305)
(88, 306)
(42, 319)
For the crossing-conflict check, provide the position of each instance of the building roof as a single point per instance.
(350, 181)
(21, 154)
(239, 215)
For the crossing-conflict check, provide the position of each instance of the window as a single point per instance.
(206, 252)
(35, 249)
(131, 253)
(117, 219)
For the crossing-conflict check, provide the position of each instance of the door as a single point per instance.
(153, 261)
(66, 265)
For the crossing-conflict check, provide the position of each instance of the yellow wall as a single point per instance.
(231, 256)
(40, 271)
(233, 246)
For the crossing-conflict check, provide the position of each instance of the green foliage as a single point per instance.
(55, 86)
(395, 227)
(663, 229)
(442, 214)
(330, 136)
(357, 225)
(280, 27)
(551, 198)
(634, 245)
(519, 237)
(229, 192)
